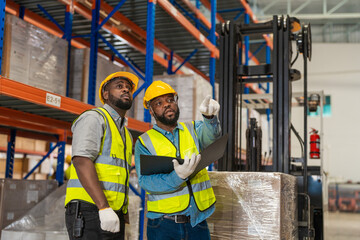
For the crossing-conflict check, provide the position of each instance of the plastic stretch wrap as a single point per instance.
(33, 56)
(253, 205)
(46, 221)
(79, 73)
(190, 88)
(18, 196)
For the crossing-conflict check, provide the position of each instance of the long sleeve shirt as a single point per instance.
(208, 131)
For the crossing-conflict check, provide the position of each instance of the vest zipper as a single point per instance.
(127, 168)
(190, 188)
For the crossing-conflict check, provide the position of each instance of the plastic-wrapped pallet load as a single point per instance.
(19, 196)
(46, 220)
(253, 205)
(33, 56)
(79, 74)
(191, 89)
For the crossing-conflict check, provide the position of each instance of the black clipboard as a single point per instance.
(150, 164)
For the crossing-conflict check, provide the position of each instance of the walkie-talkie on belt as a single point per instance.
(79, 222)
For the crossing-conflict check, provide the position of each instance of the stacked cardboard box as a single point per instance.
(33, 56)
(22, 165)
(253, 205)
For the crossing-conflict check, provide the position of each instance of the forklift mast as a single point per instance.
(232, 75)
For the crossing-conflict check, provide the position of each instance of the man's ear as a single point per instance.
(105, 95)
(151, 112)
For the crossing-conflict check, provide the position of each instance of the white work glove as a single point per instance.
(188, 167)
(209, 107)
(109, 221)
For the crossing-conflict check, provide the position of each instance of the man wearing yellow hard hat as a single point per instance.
(177, 205)
(97, 191)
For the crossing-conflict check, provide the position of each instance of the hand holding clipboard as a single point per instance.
(151, 164)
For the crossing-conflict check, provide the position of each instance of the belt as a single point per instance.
(178, 218)
(87, 205)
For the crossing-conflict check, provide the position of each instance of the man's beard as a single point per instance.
(166, 121)
(119, 103)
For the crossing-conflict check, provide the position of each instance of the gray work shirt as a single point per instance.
(88, 131)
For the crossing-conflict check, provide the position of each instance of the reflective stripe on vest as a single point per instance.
(112, 167)
(178, 201)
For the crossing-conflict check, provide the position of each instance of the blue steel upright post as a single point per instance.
(268, 61)
(170, 63)
(2, 23)
(213, 41)
(150, 28)
(10, 155)
(93, 51)
(212, 54)
(68, 32)
(247, 48)
(197, 22)
(60, 160)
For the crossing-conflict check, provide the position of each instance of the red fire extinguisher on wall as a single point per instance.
(314, 144)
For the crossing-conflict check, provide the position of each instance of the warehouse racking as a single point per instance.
(35, 113)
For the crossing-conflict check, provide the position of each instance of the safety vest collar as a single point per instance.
(115, 116)
(159, 129)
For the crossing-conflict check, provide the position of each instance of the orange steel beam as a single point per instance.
(142, 34)
(51, 28)
(168, 7)
(138, 125)
(198, 14)
(208, 6)
(38, 96)
(132, 41)
(31, 135)
(30, 126)
(17, 150)
(248, 10)
(34, 95)
(33, 118)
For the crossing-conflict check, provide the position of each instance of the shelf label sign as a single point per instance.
(52, 99)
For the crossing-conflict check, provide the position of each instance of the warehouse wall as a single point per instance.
(335, 69)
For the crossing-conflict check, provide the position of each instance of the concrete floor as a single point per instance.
(342, 226)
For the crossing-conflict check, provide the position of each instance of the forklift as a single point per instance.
(233, 75)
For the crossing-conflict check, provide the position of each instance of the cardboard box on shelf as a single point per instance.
(20, 165)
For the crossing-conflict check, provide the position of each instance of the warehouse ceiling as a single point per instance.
(331, 21)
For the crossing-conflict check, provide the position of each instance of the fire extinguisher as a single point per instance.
(314, 144)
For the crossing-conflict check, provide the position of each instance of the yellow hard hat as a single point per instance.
(131, 77)
(156, 89)
(68, 159)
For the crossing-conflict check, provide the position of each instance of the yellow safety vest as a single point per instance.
(112, 167)
(199, 186)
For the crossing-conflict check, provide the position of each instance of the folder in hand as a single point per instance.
(150, 164)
